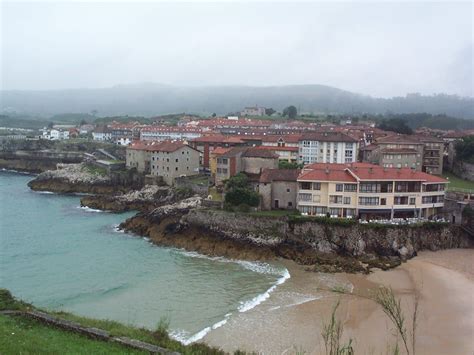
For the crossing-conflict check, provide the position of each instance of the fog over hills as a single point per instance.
(154, 99)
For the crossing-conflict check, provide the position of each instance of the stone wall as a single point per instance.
(464, 170)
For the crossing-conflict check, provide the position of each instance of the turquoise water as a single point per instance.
(62, 257)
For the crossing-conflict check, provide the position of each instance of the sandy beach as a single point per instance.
(290, 320)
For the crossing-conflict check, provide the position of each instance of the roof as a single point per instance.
(400, 139)
(220, 150)
(364, 172)
(275, 148)
(269, 175)
(399, 151)
(164, 146)
(287, 138)
(328, 137)
(256, 152)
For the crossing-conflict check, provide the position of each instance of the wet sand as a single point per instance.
(290, 321)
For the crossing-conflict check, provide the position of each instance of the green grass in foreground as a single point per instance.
(457, 182)
(31, 332)
(26, 336)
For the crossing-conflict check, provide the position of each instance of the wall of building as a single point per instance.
(169, 165)
(253, 165)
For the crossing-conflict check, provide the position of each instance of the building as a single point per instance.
(278, 188)
(422, 153)
(172, 159)
(289, 154)
(250, 160)
(55, 134)
(206, 145)
(102, 133)
(369, 191)
(138, 156)
(253, 111)
(162, 133)
(327, 147)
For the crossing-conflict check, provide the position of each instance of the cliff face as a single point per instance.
(325, 247)
(78, 178)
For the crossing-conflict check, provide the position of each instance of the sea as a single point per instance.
(59, 256)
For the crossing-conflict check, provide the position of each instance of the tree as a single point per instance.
(290, 111)
(240, 193)
(397, 125)
(465, 149)
(269, 111)
(283, 164)
(214, 114)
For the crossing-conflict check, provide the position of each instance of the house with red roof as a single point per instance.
(369, 191)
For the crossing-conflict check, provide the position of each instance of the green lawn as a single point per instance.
(20, 335)
(216, 196)
(457, 182)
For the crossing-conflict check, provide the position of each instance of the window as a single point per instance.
(339, 187)
(335, 199)
(401, 200)
(305, 185)
(304, 197)
(316, 186)
(176, 159)
(412, 200)
(383, 201)
(176, 168)
(350, 187)
(368, 201)
(290, 204)
(287, 190)
(347, 200)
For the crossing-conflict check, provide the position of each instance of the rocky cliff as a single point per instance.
(320, 245)
(81, 178)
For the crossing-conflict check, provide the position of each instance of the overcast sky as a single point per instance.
(377, 49)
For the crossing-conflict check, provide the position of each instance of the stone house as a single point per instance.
(278, 188)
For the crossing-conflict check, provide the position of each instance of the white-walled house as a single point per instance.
(327, 147)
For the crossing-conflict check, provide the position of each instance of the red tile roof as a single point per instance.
(256, 152)
(327, 137)
(164, 146)
(364, 172)
(269, 175)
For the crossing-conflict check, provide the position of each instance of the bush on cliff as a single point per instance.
(239, 192)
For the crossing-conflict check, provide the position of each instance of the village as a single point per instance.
(345, 170)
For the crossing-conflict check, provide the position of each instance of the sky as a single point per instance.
(376, 48)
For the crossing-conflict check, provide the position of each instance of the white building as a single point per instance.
(55, 134)
(253, 111)
(101, 134)
(161, 133)
(327, 147)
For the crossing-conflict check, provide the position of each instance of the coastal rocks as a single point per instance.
(72, 178)
(145, 199)
(84, 178)
(323, 247)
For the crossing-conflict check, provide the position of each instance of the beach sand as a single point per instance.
(291, 319)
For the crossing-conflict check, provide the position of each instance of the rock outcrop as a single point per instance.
(321, 246)
(75, 178)
(146, 199)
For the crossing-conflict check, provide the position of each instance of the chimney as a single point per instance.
(371, 170)
(327, 170)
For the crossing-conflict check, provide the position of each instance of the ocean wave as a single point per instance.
(88, 209)
(17, 172)
(255, 266)
(44, 192)
(183, 336)
(254, 302)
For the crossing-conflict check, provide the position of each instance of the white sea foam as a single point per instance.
(88, 209)
(118, 229)
(254, 302)
(184, 337)
(44, 192)
(17, 172)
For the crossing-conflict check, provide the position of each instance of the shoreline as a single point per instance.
(291, 319)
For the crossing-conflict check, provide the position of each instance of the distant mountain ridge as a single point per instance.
(150, 99)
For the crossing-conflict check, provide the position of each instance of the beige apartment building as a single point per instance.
(168, 159)
(369, 191)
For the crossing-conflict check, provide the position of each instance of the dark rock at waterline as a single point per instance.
(328, 248)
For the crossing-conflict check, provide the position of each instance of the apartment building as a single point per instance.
(253, 111)
(168, 159)
(369, 191)
(422, 153)
(327, 147)
(162, 133)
